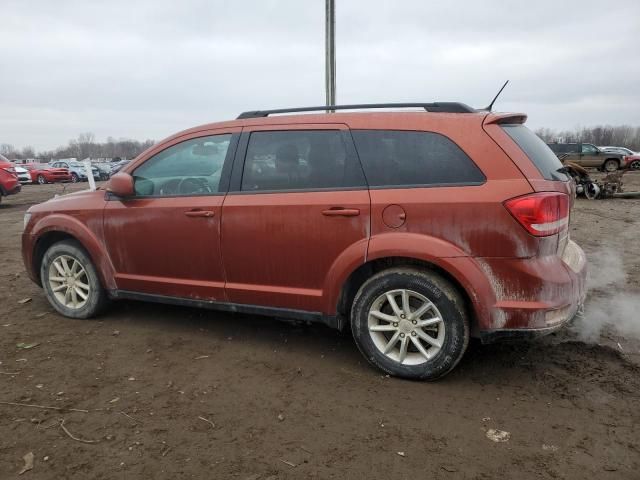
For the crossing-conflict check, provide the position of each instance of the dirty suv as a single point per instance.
(418, 229)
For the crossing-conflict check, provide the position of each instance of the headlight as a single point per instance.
(27, 217)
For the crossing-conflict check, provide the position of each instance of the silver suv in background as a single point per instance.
(77, 170)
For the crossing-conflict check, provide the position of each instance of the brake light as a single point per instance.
(542, 214)
(11, 171)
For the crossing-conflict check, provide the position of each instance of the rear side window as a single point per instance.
(299, 160)
(394, 158)
(538, 152)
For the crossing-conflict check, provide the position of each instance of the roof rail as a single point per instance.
(439, 107)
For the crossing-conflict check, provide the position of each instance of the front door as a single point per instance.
(166, 239)
(590, 156)
(298, 201)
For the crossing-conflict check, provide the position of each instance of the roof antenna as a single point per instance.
(488, 109)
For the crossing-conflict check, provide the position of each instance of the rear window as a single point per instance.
(393, 158)
(537, 151)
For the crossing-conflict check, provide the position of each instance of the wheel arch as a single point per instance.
(52, 230)
(360, 275)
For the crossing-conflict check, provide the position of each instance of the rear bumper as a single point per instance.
(534, 296)
(520, 334)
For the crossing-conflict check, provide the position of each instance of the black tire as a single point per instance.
(439, 291)
(635, 165)
(97, 297)
(611, 165)
(75, 178)
(41, 180)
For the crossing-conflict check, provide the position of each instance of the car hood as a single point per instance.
(69, 201)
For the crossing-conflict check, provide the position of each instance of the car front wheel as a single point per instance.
(70, 281)
(635, 165)
(410, 323)
(41, 179)
(75, 178)
(611, 165)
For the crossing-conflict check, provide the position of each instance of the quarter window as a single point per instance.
(192, 167)
(391, 157)
(299, 160)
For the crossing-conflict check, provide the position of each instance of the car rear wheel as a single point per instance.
(71, 282)
(75, 178)
(41, 180)
(410, 323)
(611, 165)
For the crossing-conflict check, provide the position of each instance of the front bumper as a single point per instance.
(11, 190)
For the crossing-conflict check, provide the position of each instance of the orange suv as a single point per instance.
(418, 229)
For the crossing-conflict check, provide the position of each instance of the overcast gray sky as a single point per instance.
(148, 68)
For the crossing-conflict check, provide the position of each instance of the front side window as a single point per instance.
(192, 167)
(299, 160)
(589, 149)
(393, 157)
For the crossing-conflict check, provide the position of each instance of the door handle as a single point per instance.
(341, 212)
(199, 213)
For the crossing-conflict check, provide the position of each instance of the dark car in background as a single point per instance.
(588, 155)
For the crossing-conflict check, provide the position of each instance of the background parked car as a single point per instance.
(117, 166)
(77, 170)
(9, 183)
(23, 175)
(632, 158)
(104, 169)
(588, 155)
(43, 173)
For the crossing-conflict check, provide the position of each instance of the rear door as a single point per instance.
(298, 201)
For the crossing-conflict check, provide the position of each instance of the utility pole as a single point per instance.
(330, 52)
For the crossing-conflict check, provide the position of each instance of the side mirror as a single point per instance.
(121, 185)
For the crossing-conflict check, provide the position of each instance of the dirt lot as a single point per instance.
(175, 393)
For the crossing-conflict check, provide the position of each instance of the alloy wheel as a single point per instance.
(406, 327)
(69, 282)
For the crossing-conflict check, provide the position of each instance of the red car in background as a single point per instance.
(9, 183)
(43, 173)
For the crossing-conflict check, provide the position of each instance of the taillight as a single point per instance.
(11, 171)
(542, 214)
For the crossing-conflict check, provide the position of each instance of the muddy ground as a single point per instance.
(178, 393)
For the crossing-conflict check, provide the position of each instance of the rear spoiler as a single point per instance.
(500, 118)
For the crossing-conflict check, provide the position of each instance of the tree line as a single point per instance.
(83, 146)
(602, 135)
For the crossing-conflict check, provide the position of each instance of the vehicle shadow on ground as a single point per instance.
(500, 363)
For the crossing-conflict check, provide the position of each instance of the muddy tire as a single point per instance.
(611, 165)
(410, 323)
(70, 281)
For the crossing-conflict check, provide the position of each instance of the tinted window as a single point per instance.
(538, 152)
(298, 160)
(192, 167)
(392, 157)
